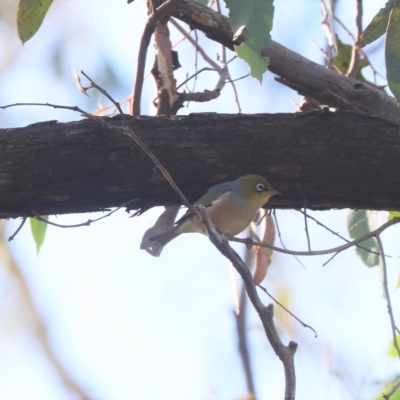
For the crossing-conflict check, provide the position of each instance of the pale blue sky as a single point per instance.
(127, 325)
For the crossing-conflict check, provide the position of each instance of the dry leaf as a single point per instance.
(78, 83)
(264, 255)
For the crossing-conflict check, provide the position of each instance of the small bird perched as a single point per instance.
(232, 206)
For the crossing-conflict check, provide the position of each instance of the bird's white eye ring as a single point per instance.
(260, 187)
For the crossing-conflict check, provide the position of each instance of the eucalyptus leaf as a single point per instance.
(30, 16)
(392, 352)
(377, 27)
(387, 388)
(393, 214)
(343, 59)
(392, 53)
(38, 229)
(359, 224)
(257, 17)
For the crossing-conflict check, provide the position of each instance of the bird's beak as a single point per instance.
(275, 193)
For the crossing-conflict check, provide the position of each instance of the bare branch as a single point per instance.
(241, 328)
(327, 22)
(305, 217)
(355, 54)
(195, 74)
(390, 312)
(18, 229)
(360, 50)
(249, 242)
(392, 391)
(87, 223)
(338, 235)
(287, 310)
(195, 44)
(285, 353)
(387, 294)
(165, 9)
(280, 238)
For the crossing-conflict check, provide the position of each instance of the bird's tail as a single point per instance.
(166, 237)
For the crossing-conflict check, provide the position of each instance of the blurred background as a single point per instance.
(93, 316)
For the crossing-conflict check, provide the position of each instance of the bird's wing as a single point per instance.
(216, 192)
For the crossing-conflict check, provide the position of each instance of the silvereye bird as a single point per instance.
(232, 206)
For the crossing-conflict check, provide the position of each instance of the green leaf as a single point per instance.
(38, 231)
(387, 388)
(204, 2)
(392, 53)
(377, 27)
(343, 59)
(258, 65)
(359, 224)
(30, 16)
(257, 17)
(392, 352)
(398, 282)
(393, 214)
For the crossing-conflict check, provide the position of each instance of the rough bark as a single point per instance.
(338, 159)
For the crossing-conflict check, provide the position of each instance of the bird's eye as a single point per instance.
(260, 187)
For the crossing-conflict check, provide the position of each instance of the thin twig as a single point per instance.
(340, 236)
(239, 79)
(195, 44)
(87, 223)
(387, 294)
(223, 71)
(18, 229)
(374, 70)
(330, 259)
(196, 61)
(392, 390)
(249, 242)
(223, 49)
(195, 74)
(235, 91)
(305, 217)
(240, 319)
(359, 17)
(386, 396)
(281, 240)
(355, 53)
(288, 311)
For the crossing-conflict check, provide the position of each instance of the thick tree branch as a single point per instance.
(299, 73)
(339, 160)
